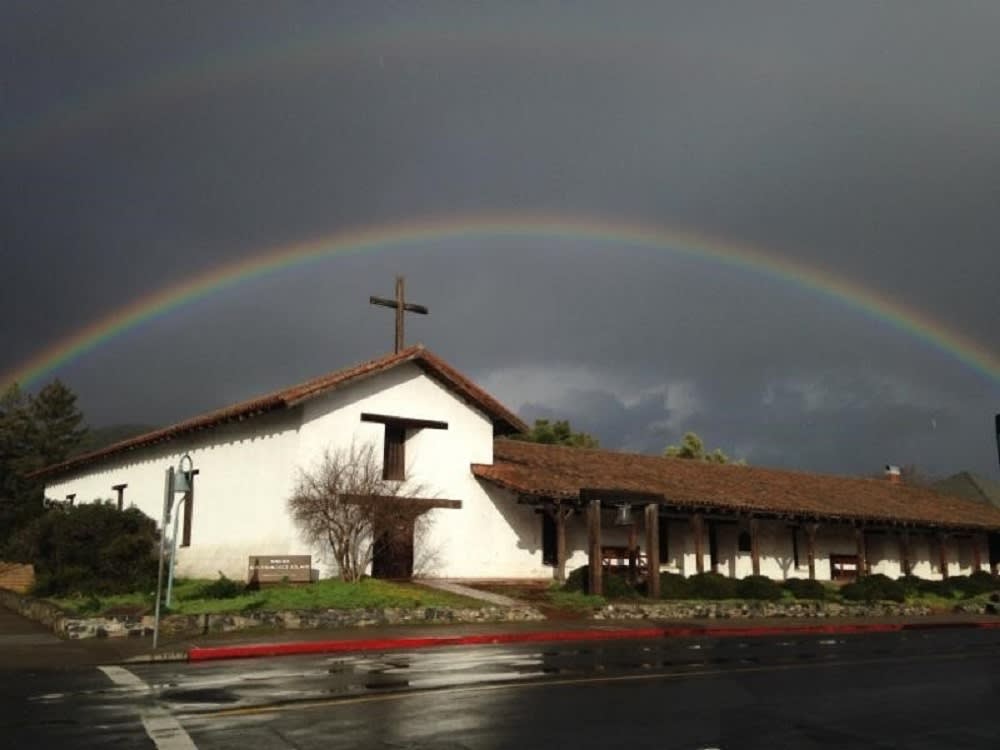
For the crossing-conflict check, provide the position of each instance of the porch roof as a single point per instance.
(561, 472)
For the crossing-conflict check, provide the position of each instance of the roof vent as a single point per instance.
(893, 474)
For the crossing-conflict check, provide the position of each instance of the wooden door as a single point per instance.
(393, 554)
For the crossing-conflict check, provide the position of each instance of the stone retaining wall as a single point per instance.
(178, 626)
(689, 610)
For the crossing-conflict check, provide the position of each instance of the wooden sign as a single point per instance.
(280, 569)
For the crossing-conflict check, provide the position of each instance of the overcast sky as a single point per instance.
(145, 143)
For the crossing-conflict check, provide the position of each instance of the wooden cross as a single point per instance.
(401, 306)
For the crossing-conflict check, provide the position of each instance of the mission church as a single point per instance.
(505, 509)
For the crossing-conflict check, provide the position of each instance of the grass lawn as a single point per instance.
(188, 598)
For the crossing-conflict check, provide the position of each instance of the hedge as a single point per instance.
(615, 585)
(89, 549)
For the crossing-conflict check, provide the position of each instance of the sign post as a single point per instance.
(183, 482)
(179, 481)
(168, 501)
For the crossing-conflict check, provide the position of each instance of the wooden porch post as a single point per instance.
(697, 528)
(859, 538)
(561, 515)
(811, 529)
(943, 554)
(904, 551)
(633, 552)
(595, 561)
(653, 550)
(755, 545)
(977, 554)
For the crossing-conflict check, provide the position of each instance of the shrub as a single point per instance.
(805, 588)
(674, 586)
(577, 579)
(912, 585)
(874, 588)
(758, 587)
(90, 549)
(712, 586)
(978, 583)
(943, 588)
(221, 588)
(615, 586)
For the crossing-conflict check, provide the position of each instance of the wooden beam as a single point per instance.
(904, 551)
(697, 528)
(561, 516)
(943, 554)
(653, 550)
(613, 496)
(595, 561)
(859, 539)
(633, 552)
(755, 544)
(977, 554)
(811, 529)
(407, 423)
(427, 503)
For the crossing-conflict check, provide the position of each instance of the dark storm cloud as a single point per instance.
(144, 144)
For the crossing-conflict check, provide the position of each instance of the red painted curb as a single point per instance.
(254, 650)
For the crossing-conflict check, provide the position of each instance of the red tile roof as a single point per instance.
(561, 472)
(504, 421)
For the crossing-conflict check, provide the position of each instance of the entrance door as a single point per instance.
(393, 553)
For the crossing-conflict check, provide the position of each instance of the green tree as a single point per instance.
(56, 422)
(15, 458)
(693, 447)
(35, 431)
(557, 433)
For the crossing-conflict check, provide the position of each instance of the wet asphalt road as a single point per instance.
(921, 689)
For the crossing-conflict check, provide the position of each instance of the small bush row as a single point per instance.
(714, 586)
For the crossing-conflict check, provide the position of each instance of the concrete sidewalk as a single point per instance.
(25, 644)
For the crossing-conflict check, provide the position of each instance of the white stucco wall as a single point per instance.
(777, 560)
(238, 498)
(248, 471)
(491, 536)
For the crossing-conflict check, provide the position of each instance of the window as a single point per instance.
(549, 553)
(743, 543)
(120, 490)
(70, 498)
(394, 454)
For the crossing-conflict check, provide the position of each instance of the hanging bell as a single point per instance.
(623, 516)
(182, 481)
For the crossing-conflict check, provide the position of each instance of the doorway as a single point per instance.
(392, 556)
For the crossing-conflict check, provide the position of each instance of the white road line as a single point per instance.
(123, 677)
(163, 729)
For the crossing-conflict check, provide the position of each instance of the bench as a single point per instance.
(621, 556)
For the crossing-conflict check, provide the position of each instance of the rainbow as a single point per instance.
(467, 228)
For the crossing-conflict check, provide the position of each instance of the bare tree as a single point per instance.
(346, 507)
